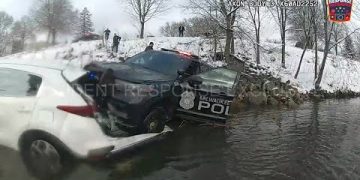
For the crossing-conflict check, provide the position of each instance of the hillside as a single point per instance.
(340, 73)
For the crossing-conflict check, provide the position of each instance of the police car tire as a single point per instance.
(157, 116)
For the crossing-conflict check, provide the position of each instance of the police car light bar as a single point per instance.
(181, 52)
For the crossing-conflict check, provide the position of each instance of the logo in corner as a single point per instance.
(339, 10)
(187, 100)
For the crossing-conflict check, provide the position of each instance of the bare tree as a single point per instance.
(349, 49)
(145, 10)
(5, 23)
(327, 38)
(315, 21)
(194, 27)
(303, 18)
(223, 13)
(328, 29)
(255, 20)
(281, 16)
(22, 30)
(338, 33)
(54, 16)
(169, 29)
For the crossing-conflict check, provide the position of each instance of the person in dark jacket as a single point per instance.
(150, 47)
(116, 41)
(107, 34)
(181, 31)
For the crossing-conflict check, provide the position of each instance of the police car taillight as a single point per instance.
(185, 53)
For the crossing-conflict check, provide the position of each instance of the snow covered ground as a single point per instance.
(340, 73)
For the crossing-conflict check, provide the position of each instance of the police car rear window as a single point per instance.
(165, 63)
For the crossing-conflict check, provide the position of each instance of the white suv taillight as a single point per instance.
(85, 111)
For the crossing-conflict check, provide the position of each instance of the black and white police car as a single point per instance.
(153, 87)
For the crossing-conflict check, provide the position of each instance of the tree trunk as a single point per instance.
(53, 33)
(258, 36)
(257, 48)
(233, 18)
(321, 72)
(227, 45)
(336, 45)
(283, 37)
(326, 49)
(48, 36)
(232, 44)
(301, 59)
(215, 46)
(283, 51)
(142, 24)
(316, 52)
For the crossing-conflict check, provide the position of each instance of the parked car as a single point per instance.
(88, 37)
(154, 87)
(48, 120)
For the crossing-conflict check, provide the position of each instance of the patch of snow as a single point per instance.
(340, 73)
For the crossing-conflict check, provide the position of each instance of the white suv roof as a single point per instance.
(71, 69)
(51, 64)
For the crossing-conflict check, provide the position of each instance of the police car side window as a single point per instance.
(219, 77)
(204, 68)
(15, 83)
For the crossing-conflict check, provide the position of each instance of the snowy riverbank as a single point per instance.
(340, 73)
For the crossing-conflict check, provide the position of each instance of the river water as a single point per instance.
(314, 141)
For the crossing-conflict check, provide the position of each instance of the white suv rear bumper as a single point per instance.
(84, 137)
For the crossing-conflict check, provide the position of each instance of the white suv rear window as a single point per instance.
(16, 83)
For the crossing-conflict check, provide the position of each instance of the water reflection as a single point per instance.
(315, 141)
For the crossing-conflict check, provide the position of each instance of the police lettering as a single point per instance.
(214, 108)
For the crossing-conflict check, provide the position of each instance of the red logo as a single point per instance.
(339, 10)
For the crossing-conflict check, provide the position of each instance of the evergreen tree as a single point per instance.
(86, 24)
(349, 49)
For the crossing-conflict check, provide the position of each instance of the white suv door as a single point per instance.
(18, 90)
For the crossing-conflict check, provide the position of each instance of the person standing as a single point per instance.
(150, 47)
(116, 41)
(107, 34)
(181, 31)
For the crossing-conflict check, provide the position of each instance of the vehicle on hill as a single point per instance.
(88, 37)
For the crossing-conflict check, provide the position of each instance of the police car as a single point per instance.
(153, 87)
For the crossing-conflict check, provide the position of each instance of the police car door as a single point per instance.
(209, 101)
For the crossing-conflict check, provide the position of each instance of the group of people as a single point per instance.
(116, 39)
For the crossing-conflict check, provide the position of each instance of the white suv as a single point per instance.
(48, 120)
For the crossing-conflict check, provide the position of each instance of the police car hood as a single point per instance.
(134, 73)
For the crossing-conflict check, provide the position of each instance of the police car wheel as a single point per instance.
(155, 121)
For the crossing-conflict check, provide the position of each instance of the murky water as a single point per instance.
(315, 141)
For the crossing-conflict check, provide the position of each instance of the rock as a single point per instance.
(121, 59)
(291, 103)
(296, 96)
(317, 97)
(257, 98)
(273, 59)
(237, 105)
(272, 101)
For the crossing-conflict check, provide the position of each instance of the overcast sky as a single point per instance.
(106, 13)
